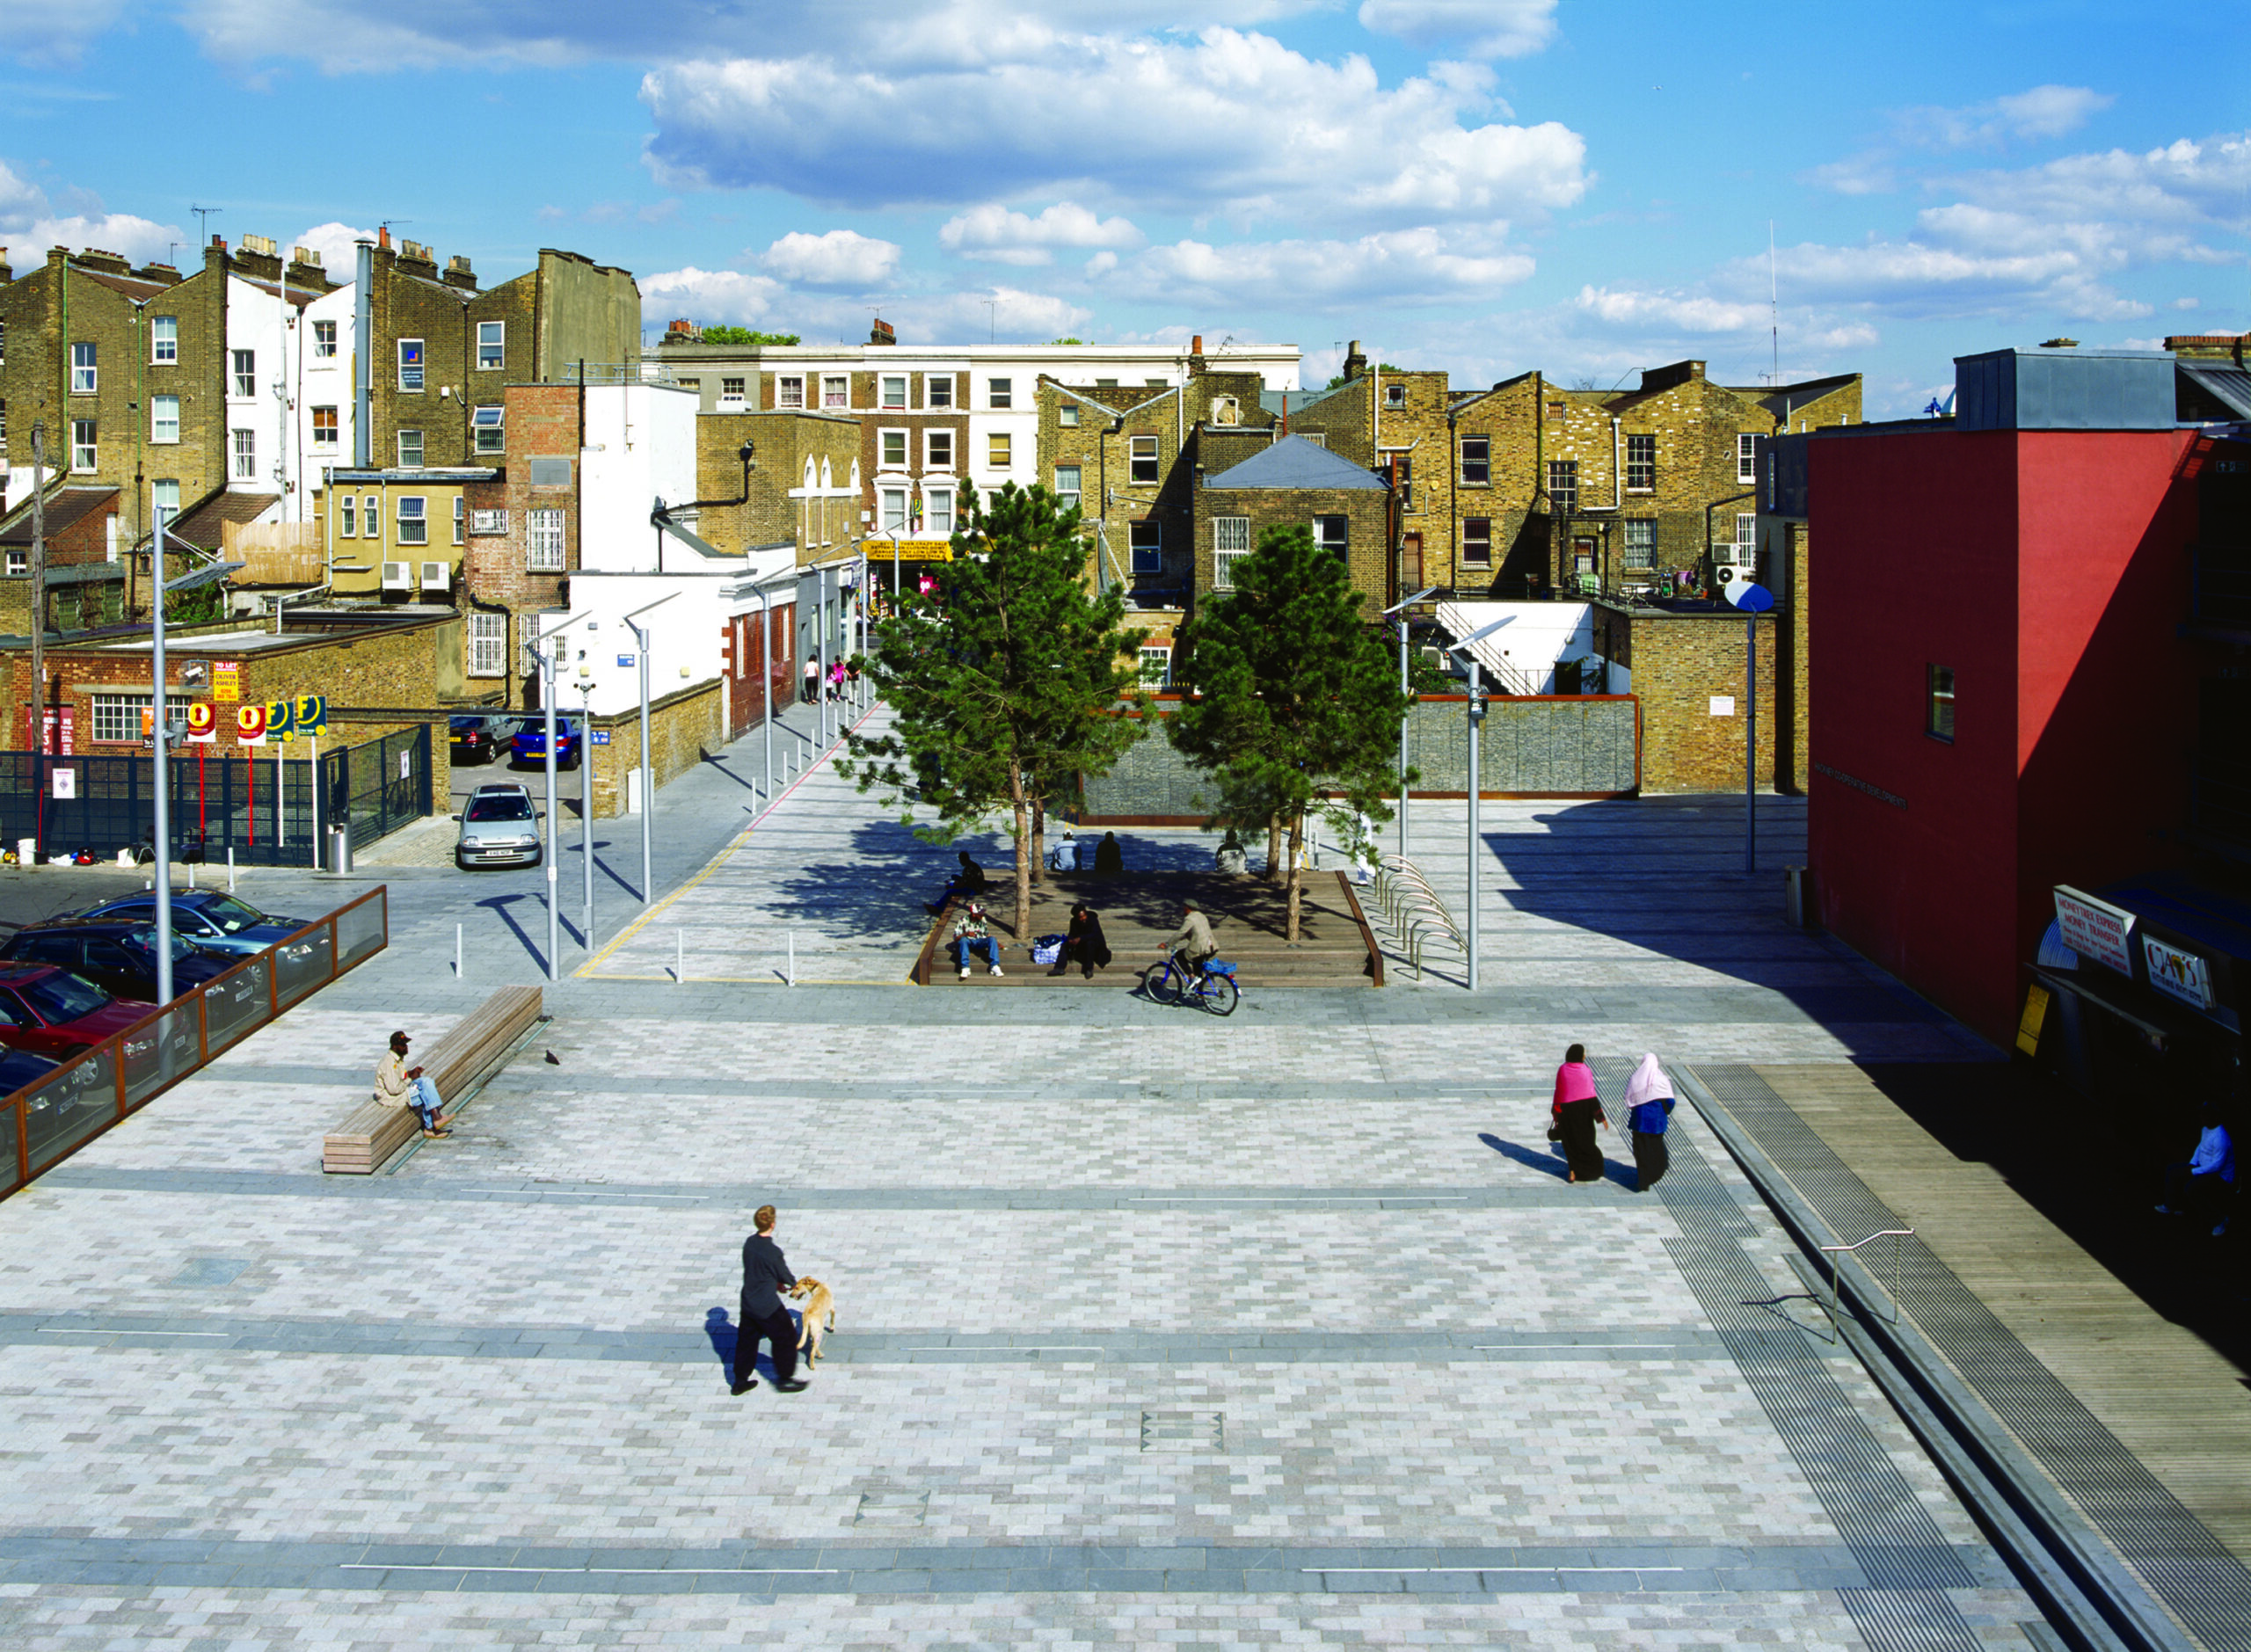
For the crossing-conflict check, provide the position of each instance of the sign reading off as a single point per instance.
(2095, 928)
(2176, 974)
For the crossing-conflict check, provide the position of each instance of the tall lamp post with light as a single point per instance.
(1476, 717)
(1754, 600)
(1399, 610)
(549, 652)
(648, 794)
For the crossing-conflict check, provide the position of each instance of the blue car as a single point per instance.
(211, 918)
(529, 746)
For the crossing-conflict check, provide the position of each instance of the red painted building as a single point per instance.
(2003, 687)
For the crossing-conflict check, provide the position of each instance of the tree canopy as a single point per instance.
(1006, 683)
(1296, 702)
(744, 335)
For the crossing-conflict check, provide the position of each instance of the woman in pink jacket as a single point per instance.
(1577, 1110)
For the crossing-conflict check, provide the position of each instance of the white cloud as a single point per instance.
(1228, 122)
(1422, 266)
(997, 235)
(1674, 312)
(842, 258)
(43, 33)
(716, 296)
(2044, 112)
(338, 246)
(31, 221)
(1491, 28)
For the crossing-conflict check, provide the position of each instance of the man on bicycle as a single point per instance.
(1191, 944)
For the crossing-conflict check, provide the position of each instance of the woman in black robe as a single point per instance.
(1083, 943)
(1110, 856)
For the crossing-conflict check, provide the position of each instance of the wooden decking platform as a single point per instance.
(2177, 1406)
(1248, 918)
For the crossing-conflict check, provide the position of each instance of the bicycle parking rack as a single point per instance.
(1413, 910)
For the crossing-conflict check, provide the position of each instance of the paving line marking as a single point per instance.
(608, 1571)
(1025, 1348)
(1295, 1198)
(1394, 1571)
(1496, 1347)
(576, 1193)
(87, 1330)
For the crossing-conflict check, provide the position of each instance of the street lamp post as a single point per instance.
(550, 650)
(1401, 610)
(648, 792)
(1476, 717)
(1754, 600)
(586, 804)
(164, 822)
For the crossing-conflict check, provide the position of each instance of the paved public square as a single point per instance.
(1153, 1329)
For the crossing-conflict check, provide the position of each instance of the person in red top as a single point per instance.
(1577, 1110)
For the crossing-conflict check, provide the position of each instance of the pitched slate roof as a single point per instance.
(204, 526)
(1295, 462)
(64, 505)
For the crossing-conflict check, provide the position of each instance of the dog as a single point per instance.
(818, 1316)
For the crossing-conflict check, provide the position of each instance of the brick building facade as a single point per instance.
(1688, 673)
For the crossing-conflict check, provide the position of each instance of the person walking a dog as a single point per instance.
(765, 1275)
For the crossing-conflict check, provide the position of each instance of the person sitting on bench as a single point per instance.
(398, 1084)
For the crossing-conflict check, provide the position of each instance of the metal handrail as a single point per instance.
(1836, 1254)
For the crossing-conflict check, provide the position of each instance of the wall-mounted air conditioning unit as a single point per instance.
(398, 575)
(436, 576)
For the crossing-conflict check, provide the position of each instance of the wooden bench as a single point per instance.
(472, 1051)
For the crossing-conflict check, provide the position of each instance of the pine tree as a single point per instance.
(1296, 702)
(1006, 685)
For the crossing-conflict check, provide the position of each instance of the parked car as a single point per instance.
(118, 955)
(529, 745)
(20, 1068)
(51, 1012)
(208, 917)
(499, 828)
(476, 739)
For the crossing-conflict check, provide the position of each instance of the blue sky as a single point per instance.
(1483, 185)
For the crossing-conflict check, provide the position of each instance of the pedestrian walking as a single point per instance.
(1648, 1109)
(1577, 1110)
(765, 1275)
(813, 680)
(399, 1085)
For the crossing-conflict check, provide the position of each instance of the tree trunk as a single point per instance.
(1038, 838)
(1274, 873)
(1022, 811)
(1297, 839)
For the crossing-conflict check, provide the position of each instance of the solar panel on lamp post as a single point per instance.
(1401, 610)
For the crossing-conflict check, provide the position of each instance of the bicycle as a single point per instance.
(1217, 991)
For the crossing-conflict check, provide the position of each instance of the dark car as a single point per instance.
(51, 1012)
(209, 917)
(476, 739)
(118, 955)
(20, 1068)
(529, 745)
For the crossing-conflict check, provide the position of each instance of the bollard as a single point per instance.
(793, 977)
(191, 876)
(230, 869)
(679, 957)
(457, 952)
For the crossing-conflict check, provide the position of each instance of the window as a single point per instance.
(894, 389)
(1332, 534)
(1746, 457)
(85, 452)
(938, 512)
(323, 427)
(1318, 438)
(1939, 725)
(731, 392)
(164, 418)
(1641, 544)
(1641, 463)
(544, 540)
(245, 455)
(117, 717)
(410, 450)
(996, 450)
(488, 644)
(410, 364)
(837, 392)
(491, 345)
(1142, 466)
(1000, 393)
(550, 473)
(937, 390)
(414, 521)
(245, 372)
(1067, 486)
(164, 495)
(460, 519)
(1148, 547)
(1394, 395)
(324, 340)
(84, 369)
(19, 561)
(1562, 486)
(938, 450)
(894, 510)
(348, 517)
(1746, 536)
(1230, 544)
(371, 516)
(689, 384)
(1476, 461)
(789, 392)
(487, 422)
(163, 339)
(1156, 667)
(1477, 541)
(890, 446)
(1068, 415)
(484, 524)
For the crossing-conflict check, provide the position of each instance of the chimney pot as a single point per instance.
(1196, 345)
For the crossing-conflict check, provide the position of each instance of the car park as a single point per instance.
(51, 1012)
(529, 745)
(474, 739)
(208, 917)
(20, 1069)
(499, 828)
(118, 955)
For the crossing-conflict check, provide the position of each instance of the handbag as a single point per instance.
(1554, 1130)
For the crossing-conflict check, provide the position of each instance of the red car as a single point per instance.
(54, 1013)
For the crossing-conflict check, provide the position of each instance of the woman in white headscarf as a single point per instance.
(1648, 1107)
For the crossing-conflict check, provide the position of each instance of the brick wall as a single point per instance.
(683, 728)
(1680, 663)
(1366, 510)
(785, 440)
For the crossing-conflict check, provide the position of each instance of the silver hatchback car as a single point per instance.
(499, 828)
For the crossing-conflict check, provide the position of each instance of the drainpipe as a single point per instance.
(363, 327)
(1539, 449)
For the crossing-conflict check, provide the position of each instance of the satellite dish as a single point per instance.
(1751, 597)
